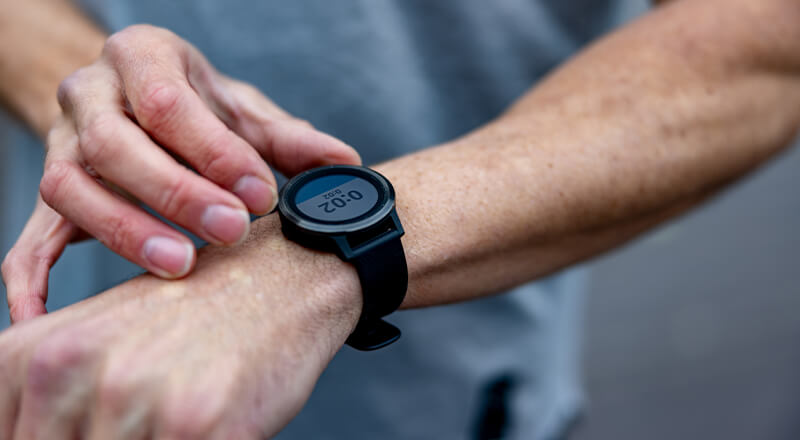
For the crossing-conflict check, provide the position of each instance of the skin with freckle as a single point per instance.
(239, 276)
(174, 290)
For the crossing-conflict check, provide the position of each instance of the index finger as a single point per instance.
(154, 80)
(26, 267)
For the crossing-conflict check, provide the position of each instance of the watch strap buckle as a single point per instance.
(373, 334)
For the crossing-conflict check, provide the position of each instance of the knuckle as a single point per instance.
(217, 159)
(57, 176)
(301, 122)
(71, 88)
(176, 197)
(7, 266)
(119, 233)
(116, 389)
(16, 306)
(206, 406)
(121, 44)
(118, 43)
(158, 105)
(53, 359)
(96, 140)
(136, 30)
(144, 30)
(188, 421)
(184, 427)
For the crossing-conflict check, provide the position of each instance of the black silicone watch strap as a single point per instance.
(383, 274)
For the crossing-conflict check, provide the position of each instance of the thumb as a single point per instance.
(26, 268)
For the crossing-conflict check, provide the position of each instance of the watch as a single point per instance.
(350, 211)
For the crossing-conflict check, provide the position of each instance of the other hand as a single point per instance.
(150, 102)
(231, 352)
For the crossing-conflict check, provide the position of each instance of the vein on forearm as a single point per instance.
(638, 128)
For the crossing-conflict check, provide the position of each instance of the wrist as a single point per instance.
(320, 290)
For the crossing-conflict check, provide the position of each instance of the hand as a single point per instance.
(231, 352)
(150, 96)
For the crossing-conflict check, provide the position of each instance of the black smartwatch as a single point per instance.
(350, 211)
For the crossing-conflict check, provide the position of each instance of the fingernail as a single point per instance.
(225, 224)
(256, 193)
(274, 202)
(171, 258)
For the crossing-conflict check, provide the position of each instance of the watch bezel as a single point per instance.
(383, 207)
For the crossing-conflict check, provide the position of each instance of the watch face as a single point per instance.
(336, 197)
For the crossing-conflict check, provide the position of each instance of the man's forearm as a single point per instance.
(636, 129)
(41, 42)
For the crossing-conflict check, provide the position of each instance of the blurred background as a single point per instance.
(693, 332)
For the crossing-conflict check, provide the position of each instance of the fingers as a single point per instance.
(16, 345)
(293, 148)
(170, 110)
(52, 375)
(178, 119)
(290, 145)
(123, 227)
(53, 399)
(62, 379)
(120, 152)
(27, 265)
(178, 103)
(189, 109)
(121, 408)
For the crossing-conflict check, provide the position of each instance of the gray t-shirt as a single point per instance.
(389, 78)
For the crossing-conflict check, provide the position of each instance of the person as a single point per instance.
(638, 127)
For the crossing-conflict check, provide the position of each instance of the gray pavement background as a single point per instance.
(694, 331)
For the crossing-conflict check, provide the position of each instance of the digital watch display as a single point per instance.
(350, 211)
(336, 198)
